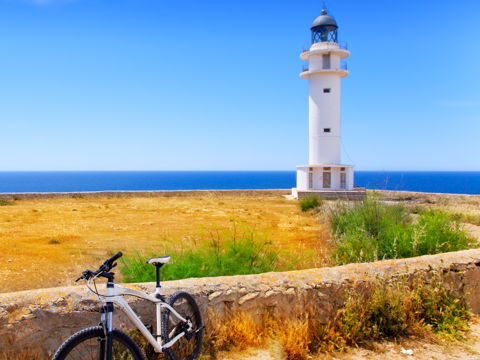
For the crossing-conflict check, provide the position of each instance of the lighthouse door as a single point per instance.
(327, 180)
(310, 180)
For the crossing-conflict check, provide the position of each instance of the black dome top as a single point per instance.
(324, 20)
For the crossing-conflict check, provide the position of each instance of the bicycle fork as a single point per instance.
(106, 321)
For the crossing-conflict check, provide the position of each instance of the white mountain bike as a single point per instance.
(178, 331)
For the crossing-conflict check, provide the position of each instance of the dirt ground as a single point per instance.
(419, 349)
(48, 242)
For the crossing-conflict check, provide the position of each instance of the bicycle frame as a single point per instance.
(114, 295)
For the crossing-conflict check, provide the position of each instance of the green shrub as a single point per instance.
(439, 308)
(5, 202)
(371, 230)
(309, 203)
(212, 258)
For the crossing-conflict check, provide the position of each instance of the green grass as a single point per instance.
(309, 203)
(6, 202)
(211, 258)
(371, 231)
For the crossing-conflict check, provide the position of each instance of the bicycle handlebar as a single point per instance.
(109, 262)
(108, 265)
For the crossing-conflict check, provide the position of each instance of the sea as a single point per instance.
(457, 182)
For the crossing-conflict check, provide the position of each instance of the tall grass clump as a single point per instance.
(6, 202)
(216, 257)
(371, 230)
(389, 311)
(378, 311)
(309, 203)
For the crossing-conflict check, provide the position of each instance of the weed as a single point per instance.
(440, 309)
(6, 202)
(54, 241)
(371, 231)
(417, 209)
(210, 258)
(296, 336)
(393, 310)
(309, 203)
(78, 196)
(240, 331)
(376, 312)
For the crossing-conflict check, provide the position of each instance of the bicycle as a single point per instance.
(179, 325)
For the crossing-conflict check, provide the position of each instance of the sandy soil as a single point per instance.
(421, 349)
(47, 242)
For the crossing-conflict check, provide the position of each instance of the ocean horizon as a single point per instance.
(453, 182)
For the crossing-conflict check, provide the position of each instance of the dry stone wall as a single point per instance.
(153, 193)
(36, 322)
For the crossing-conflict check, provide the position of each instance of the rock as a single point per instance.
(247, 297)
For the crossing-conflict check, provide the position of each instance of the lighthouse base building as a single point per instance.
(329, 181)
(325, 176)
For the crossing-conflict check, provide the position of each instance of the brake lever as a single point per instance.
(87, 275)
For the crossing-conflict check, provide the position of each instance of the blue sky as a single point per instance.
(213, 85)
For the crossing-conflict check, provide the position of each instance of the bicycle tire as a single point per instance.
(124, 348)
(186, 348)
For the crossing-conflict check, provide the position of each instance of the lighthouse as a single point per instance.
(325, 175)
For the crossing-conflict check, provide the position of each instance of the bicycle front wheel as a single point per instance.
(89, 344)
(188, 346)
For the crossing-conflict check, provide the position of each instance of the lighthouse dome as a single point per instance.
(324, 20)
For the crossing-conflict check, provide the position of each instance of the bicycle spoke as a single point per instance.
(92, 349)
(187, 346)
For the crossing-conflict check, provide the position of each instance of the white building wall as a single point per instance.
(303, 182)
(350, 179)
(302, 178)
(324, 113)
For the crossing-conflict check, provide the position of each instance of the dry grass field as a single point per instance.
(48, 242)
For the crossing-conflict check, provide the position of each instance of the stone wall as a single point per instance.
(156, 193)
(36, 322)
(357, 194)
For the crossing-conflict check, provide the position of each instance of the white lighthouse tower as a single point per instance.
(325, 175)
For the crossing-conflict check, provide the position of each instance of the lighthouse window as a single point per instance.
(327, 130)
(327, 90)
(326, 61)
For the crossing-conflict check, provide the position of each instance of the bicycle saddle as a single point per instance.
(159, 260)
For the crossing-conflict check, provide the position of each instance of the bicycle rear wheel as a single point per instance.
(89, 344)
(188, 346)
